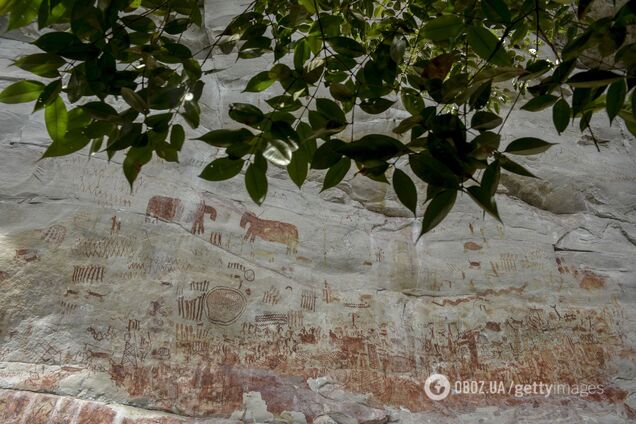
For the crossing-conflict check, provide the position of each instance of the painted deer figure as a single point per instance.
(274, 231)
(199, 217)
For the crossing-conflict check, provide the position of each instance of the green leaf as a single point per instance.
(443, 28)
(43, 12)
(298, 167)
(512, 166)
(136, 158)
(372, 147)
(222, 169)
(309, 5)
(101, 111)
(376, 105)
(327, 154)
(374, 170)
(313, 70)
(341, 92)
(5, 6)
(561, 114)
(496, 11)
(431, 191)
(134, 100)
(86, 21)
(129, 135)
(336, 173)
(278, 152)
(408, 124)
(583, 6)
(593, 78)
(479, 98)
(165, 98)
(49, 94)
(193, 69)
(56, 119)
(21, 92)
(438, 209)
(412, 101)
(254, 47)
(330, 110)
(43, 64)
(139, 23)
(246, 114)
(128, 115)
(540, 102)
(499, 73)
(631, 127)
(225, 138)
(485, 120)
(584, 122)
(490, 179)
(432, 171)
(405, 189)
(576, 46)
(398, 47)
(55, 42)
(191, 113)
(280, 72)
(78, 119)
(23, 12)
(302, 53)
(256, 183)
(177, 136)
(528, 146)
(322, 127)
(284, 103)
(535, 69)
(485, 200)
(73, 141)
(95, 129)
(346, 46)
(487, 46)
(195, 15)
(177, 26)
(581, 98)
(67, 45)
(178, 50)
(485, 144)
(615, 98)
(159, 122)
(629, 119)
(166, 151)
(259, 82)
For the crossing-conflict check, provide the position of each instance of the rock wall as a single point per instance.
(183, 302)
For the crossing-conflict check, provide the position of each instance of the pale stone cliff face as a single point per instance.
(175, 304)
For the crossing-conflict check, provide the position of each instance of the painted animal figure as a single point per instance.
(27, 255)
(274, 231)
(199, 216)
(164, 208)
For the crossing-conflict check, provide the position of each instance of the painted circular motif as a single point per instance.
(249, 274)
(224, 305)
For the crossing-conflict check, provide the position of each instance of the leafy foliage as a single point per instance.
(449, 64)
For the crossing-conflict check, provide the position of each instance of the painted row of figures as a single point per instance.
(171, 209)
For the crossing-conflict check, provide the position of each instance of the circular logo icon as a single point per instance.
(437, 387)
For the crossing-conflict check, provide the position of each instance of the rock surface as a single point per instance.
(172, 304)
